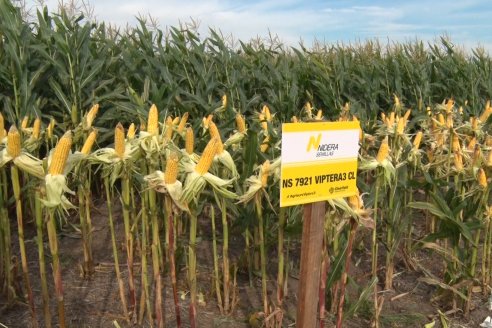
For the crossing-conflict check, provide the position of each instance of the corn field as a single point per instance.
(170, 142)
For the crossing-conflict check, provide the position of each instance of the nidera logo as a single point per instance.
(314, 142)
(322, 150)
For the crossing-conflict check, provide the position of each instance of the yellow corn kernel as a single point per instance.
(265, 172)
(207, 157)
(455, 145)
(240, 123)
(458, 162)
(224, 101)
(119, 140)
(91, 115)
(263, 122)
(417, 140)
(25, 121)
(153, 120)
(89, 142)
(319, 115)
(383, 151)
(482, 178)
(169, 128)
(294, 119)
(13, 142)
(60, 154)
(36, 128)
(265, 144)
(130, 134)
(171, 173)
(471, 145)
(182, 122)
(190, 141)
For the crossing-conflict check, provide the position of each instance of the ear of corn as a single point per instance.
(182, 123)
(319, 115)
(240, 123)
(2, 127)
(383, 151)
(60, 154)
(89, 142)
(214, 133)
(91, 115)
(130, 134)
(407, 115)
(355, 202)
(207, 157)
(50, 128)
(263, 123)
(224, 101)
(174, 121)
(482, 178)
(119, 140)
(13, 142)
(294, 119)
(489, 159)
(449, 105)
(265, 144)
(266, 111)
(440, 119)
(25, 122)
(477, 155)
(36, 128)
(169, 128)
(171, 173)
(417, 140)
(455, 145)
(153, 120)
(400, 128)
(265, 172)
(190, 141)
(458, 162)
(471, 145)
(206, 121)
(486, 112)
(308, 108)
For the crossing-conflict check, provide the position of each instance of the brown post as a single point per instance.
(311, 247)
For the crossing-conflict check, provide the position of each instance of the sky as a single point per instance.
(467, 22)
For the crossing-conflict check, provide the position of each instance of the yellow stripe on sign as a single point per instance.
(319, 126)
(317, 182)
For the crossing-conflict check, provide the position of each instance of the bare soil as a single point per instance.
(95, 302)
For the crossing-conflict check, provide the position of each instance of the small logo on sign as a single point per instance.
(314, 142)
(331, 190)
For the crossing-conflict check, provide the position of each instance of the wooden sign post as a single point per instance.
(312, 244)
(319, 162)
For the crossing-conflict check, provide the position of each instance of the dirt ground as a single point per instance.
(95, 302)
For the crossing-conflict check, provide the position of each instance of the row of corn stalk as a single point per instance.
(165, 186)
